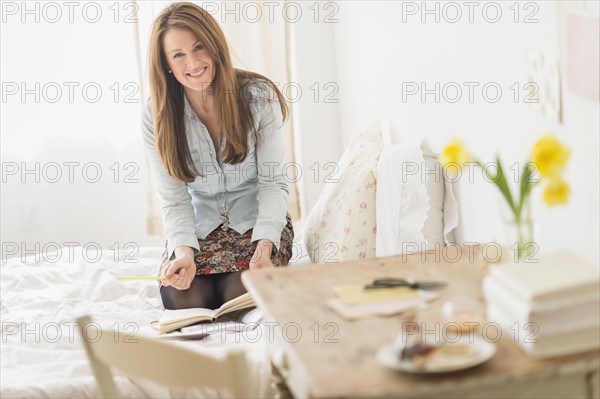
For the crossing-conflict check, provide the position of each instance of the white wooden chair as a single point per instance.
(161, 362)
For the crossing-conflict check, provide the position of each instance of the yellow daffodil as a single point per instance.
(556, 192)
(549, 155)
(455, 152)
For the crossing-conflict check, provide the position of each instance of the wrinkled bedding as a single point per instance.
(41, 350)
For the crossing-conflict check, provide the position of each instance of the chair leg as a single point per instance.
(279, 386)
(103, 375)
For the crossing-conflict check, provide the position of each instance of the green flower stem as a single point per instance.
(526, 244)
(524, 226)
(526, 185)
(520, 240)
(500, 181)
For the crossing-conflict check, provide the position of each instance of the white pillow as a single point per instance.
(416, 207)
(433, 228)
(342, 224)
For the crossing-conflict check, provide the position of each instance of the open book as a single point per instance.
(174, 319)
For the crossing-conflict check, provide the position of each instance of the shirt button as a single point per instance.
(210, 152)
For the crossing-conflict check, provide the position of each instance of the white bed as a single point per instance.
(41, 352)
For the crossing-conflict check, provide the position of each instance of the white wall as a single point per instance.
(317, 119)
(376, 52)
(38, 47)
(368, 52)
(42, 208)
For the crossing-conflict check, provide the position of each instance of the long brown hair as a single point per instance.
(230, 88)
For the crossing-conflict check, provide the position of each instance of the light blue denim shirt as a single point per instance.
(254, 192)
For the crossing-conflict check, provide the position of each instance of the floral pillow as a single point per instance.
(342, 224)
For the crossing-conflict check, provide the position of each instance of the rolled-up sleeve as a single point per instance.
(272, 186)
(175, 200)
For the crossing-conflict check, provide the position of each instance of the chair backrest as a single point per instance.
(161, 362)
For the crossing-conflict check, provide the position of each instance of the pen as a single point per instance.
(396, 282)
(131, 278)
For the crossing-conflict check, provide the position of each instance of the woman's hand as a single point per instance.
(181, 271)
(262, 255)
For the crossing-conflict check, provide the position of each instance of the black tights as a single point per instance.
(206, 291)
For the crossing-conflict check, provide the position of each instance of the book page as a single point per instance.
(173, 316)
(240, 302)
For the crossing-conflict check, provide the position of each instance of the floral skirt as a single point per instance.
(225, 251)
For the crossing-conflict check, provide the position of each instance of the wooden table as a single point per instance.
(321, 355)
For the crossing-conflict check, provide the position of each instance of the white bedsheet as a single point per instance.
(41, 351)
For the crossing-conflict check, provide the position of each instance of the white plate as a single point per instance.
(480, 352)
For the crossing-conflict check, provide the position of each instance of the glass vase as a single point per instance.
(521, 234)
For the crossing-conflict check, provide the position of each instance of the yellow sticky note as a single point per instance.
(353, 294)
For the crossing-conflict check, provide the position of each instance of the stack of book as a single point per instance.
(550, 308)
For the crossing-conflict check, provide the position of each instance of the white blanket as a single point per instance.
(41, 350)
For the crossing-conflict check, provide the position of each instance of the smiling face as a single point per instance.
(188, 59)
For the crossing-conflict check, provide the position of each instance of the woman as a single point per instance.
(212, 134)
